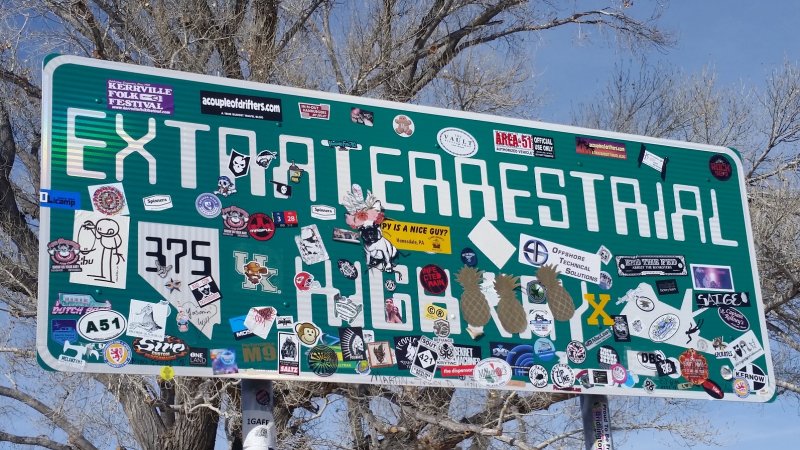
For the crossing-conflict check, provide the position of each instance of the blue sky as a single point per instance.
(743, 42)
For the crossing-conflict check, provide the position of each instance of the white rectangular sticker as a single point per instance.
(103, 244)
(567, 260)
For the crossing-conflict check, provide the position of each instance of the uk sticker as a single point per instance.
(310, 244)
(103, 242)
(379, 354)
(425, 359)
(147, 320)
(288, 354)
(205, 291)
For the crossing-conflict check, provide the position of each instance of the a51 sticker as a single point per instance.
(172, 258)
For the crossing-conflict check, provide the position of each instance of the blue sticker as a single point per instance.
(544, 349)
(469, 257)
(239, 330)
(59, 199)
(208, 205)
(64, 330)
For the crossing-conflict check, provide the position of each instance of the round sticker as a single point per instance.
(167, 373)
(390, 285)
(540, 321)
(322, 360)
(403, 125)
(261, 227)
(720, 167)
(645, 304)
(562, 375)
(491, 372)
(433, 279)
(576, 352)
(733, 318)
(544, 349)
(117, 354)
(208, 205)
(741, 387)
(469, 257)
(538, 376)
(457, 142)
(108, 200)
(618, 373)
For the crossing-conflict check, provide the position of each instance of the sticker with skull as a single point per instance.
(238, 164)
(366, 215)
(225, 186)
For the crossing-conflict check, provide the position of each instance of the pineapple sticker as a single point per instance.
(558, 298)
(474, 305)
(509, 310)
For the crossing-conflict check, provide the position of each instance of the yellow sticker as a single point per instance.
(167, 373)
(434, 312)
(417, 236)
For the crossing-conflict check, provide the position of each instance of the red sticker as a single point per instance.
(433, 279)
(694, 366)
(108, 200)
(261, 227)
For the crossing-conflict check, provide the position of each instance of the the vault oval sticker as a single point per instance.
(101, 326)
(457, 142)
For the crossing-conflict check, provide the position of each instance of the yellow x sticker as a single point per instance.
(599, 309)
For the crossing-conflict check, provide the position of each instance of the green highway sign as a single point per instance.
(228, 228)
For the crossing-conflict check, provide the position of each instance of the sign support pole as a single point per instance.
(258, 419)
(596, 422)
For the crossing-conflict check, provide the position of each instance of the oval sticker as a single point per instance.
(492, 372)
(457, 142)
(101, 326)
(733, 318)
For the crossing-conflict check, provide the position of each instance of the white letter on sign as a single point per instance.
(136, 146)
(75, 145)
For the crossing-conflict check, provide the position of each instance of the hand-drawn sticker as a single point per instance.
(117, 354)
(225, 186)
(379, 354)
(406, 348)
(235, 220)
(223, 361)
(607, 356)
(596, 147)
(538, 376)
(544, 349)
(457, 142)
(208, 205)
(540, 321)
(433, 279)
(576, 352)
(109, 199)
(288, 354)
(651, 265)
(101, 326)
(712, 278)
(733, 318)
(693, 366)
(103, 245)
(158, 202)
(310, 244)
(605, 254)
(562, 376)
(265, 158)
(347, 269)
(238, 164)
(205, 291)
(352, 343)
(620, 328)
(282, 190)
(64, 255)
(147, 320)
(308, 333)
(261, 227)
(667, 287)
(362, 116)
(345, 308)
(322, 360)
(492, 372)
(720, 167)
(664, 327)
(403, 125)
(259, 320)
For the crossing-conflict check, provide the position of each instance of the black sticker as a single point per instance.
(348, 269)
(238, 164)
(719, 299)
(198, 356)
(433, 279)
(205, 291)
(322, 360)
(666, 287)
(405, 347)
(238, 105)
(352, 343)
(733, 318)
(720, 167)
(621, 331)
(282, 189)
(666, 367)
(607, 356)
(469, 257)
(644, 265)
